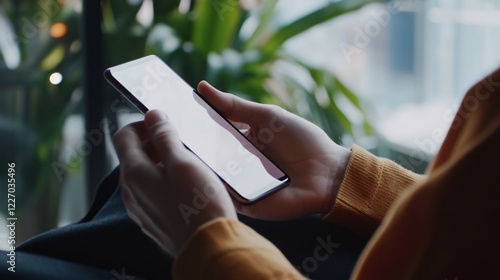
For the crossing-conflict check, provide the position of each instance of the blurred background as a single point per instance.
(387, 75)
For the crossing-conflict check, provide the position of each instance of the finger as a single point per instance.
(136, 167)
(141, 131)
(163, 136)
(231, 106)
(128, 146)
(150, 150)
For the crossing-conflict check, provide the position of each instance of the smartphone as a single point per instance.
(148, 83)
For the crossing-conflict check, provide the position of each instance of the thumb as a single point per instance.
(233, 107)
(163, 135)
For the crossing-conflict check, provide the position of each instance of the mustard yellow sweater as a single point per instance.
(444, 225)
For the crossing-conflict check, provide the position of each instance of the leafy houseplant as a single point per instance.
(201, 41)
(206, 42)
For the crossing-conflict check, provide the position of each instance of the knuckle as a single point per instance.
(274, 109)
(269, 110)
(163, 134)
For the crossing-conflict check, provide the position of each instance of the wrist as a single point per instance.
(340, 161)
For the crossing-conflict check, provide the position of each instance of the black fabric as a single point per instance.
(108, 245)
(31, 266)
(105, 238)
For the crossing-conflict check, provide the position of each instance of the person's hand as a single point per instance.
(315, 164)
(167, 190)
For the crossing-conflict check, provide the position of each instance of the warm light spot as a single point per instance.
(58, 30)
(55, 78)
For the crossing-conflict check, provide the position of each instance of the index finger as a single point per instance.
(232, 107)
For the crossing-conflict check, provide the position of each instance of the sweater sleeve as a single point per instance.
(228, 249)
(370, 186)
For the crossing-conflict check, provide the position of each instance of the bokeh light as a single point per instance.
(55, 78)
(58, 30)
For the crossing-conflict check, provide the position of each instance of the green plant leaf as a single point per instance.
(348, 93)
(264, 19)
(339, 115)
(215, 24)
(124, 13)
(163, 8)
(302, 24)
(353, 98)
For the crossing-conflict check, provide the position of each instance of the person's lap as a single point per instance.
(107, 245)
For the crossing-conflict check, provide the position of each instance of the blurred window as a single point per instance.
(411, 61)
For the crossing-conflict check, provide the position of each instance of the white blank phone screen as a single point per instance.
(200, 128)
